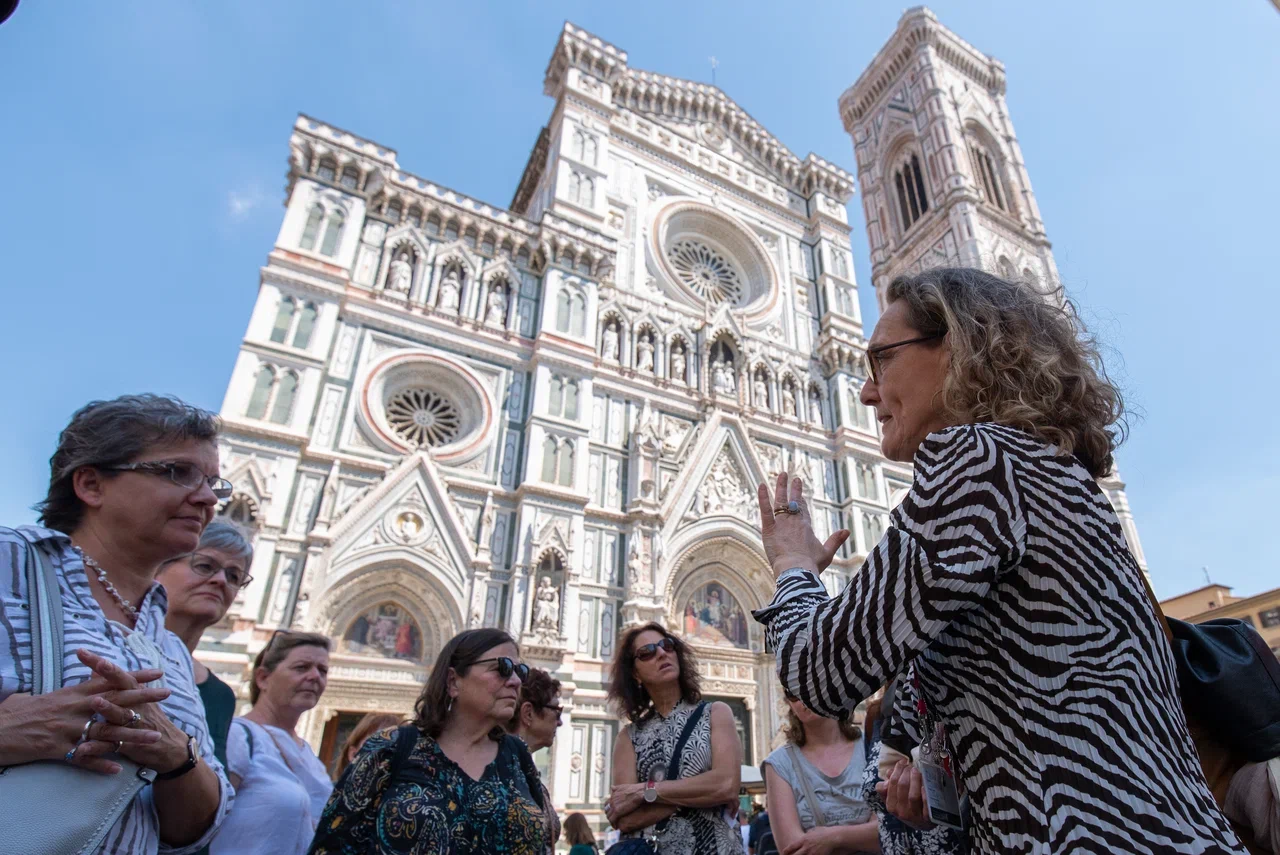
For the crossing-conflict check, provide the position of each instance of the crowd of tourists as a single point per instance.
(1023, 694)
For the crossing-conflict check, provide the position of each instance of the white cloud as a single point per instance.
(240, 203)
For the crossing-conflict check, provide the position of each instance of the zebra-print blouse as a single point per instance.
(1006, 582)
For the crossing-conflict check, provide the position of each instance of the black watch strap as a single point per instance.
(193, 758)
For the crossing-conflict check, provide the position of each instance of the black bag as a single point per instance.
(638, 845)
(1230, 682)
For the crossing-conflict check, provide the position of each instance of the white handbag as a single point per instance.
(49, 806)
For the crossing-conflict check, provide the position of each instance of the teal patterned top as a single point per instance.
(433, 806)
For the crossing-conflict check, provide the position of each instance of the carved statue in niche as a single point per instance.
(760, 391)
(637, 578)
(401, 275)
(677, 363)
(546, 608)
(451, 291)
(497, 305)
(815, 406)
(609, 347)
(722, 375)
(788, 400)
(644, 353)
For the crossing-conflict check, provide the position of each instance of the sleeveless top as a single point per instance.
(691, 831)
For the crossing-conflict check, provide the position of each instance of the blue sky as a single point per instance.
(146, 146)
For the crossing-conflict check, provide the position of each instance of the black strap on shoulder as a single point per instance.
(532, 778)
(248, 732)
(673, 768)
(406, 738)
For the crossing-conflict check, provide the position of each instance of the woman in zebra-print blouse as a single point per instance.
(1004, 586)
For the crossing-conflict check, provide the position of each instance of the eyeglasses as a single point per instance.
(873, 353)
(645, 652)
(507, 667)
(202, 565)
(557, 709)
(186, 475)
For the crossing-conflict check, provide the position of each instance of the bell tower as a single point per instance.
(942, 176)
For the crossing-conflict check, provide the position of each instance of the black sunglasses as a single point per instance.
(507, 667)
(645, 652)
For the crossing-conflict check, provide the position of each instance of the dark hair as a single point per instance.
(366, 727)
(795, 727)
(628, 695)
(539, 689)
(112, 433)
(577, 831)
(277, 650)
(1019, 356)
(460, 653)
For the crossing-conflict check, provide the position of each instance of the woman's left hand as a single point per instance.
(623, 800)
(164, 755)
(815, 841)
(789, 540)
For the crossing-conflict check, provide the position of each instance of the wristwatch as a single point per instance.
(193, 758)
(651, 792)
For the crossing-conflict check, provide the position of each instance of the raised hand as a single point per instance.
(789, 539)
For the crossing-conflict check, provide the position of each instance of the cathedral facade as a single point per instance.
(551, 417)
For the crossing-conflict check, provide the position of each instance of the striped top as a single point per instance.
(86, 626)
(1005, 581)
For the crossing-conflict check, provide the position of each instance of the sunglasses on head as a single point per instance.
(645, 652)
(506, 667)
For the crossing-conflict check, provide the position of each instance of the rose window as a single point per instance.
(706, 271)
(422, 417)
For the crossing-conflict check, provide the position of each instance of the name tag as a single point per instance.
(941, 793)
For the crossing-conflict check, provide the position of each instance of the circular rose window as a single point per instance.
(706, 271)
(423, 417)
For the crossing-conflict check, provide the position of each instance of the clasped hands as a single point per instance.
(53, 726)
(789, 539)
(623, 799)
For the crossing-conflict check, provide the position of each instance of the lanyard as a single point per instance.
(934, 745)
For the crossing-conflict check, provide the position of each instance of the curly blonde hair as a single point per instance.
(1019, 357)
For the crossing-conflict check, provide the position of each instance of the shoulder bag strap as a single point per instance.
(46, 622)
(406, 738)
(794, 753)
(673, 768)
(248, 733)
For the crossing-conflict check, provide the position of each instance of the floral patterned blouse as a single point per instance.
(433, 806)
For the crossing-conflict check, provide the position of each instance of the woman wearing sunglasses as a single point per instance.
(535, 722)
(281, 786)
(201, 586)
(453, 781)
(654, 684)
(133, 483)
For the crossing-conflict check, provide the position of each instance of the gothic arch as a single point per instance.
(716, 556)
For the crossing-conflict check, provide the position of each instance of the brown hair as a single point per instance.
(628, 695)
(795, 728)
(576, 830)
(460, 653)
(539, 689)
(1019, 357)
(277, 650)
(366, 727)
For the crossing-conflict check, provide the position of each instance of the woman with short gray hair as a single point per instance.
(1038, 686)
(133, 483)
(201, 587)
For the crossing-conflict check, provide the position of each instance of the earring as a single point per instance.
(449, 708)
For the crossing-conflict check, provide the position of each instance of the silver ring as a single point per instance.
(70, 756)
(119, 745)
(84, 732)
(792, 507)
(133, 722)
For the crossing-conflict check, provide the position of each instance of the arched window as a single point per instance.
(470, 237)
(486, 245)
(557, 396)
(415, 217)
(394, 210)
(549, 460)
(908, 181)
(261, 392)
(562, 310)
(584, 266)
(451, 230)
(327, 170)
(589, 150)
(306, 323)
(284, 320)
(578, 315)
(571, 399)
(433, 224)
(350, 177)
(1006, 268)
(332, 232)
(240, 510)
(522, 257)
(986, 173)
(312, 229)
(566, 464)
(1029, 276)
(282, 407)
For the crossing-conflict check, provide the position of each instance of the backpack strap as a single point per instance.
(406, 738)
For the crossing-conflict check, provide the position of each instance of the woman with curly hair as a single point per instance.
(1038, 685)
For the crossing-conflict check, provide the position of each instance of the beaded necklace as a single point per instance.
(124, 604)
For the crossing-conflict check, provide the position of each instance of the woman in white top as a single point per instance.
(281, 786)
(814, 786)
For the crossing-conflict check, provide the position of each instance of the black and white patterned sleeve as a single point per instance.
(958, 530)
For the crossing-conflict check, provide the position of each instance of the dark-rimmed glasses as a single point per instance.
(203, 565)
(873, 353)
(555, 708)
(186, 475)
(507, 667)
(645, 652)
